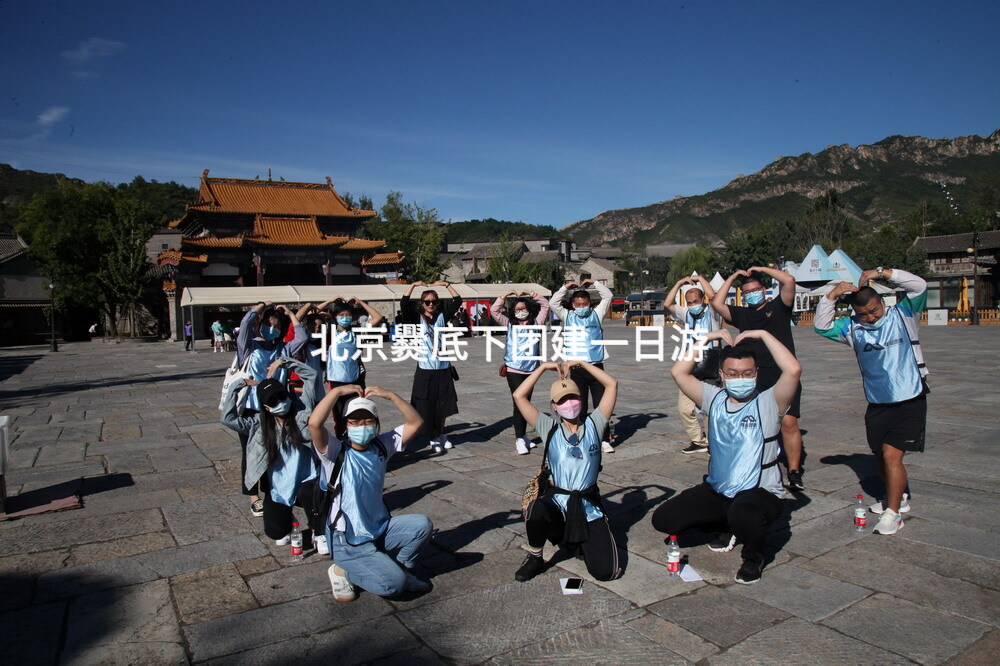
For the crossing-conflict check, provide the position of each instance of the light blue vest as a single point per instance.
(592, 324)
(521, 343)
(293, 465)
(571, 473)
(431, 362)
(738, 446)
(341, 366)
(889, 367)
(362, 481)
(260, 359)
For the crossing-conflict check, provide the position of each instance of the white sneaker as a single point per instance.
(320, 542)
(890, 523)
(607, 448)
(878, 507)
(437, 448)
(448, 445)
(283, 541)
(342, 588)
(521, 446)
(531, 443)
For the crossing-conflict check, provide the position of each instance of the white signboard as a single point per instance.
(937, 317)
(659, 320)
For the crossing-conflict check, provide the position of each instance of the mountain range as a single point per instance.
(876, 183)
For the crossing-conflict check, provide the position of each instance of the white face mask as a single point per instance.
(521, 314)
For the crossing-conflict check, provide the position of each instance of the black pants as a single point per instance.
(589, 386)
(277, 518)
(253, 490)
(513, 381)
(545, 522)
(747, 515)
(188, 342)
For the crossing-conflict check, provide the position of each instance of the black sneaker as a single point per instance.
(723, 543)
(795, 479)
(531, 567)
(694, 448)
(749, 573)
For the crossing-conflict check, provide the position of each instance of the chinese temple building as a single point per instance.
(242, 232)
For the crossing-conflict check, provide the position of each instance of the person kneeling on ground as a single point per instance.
(370, 548)
(570, 510)
(742, 492)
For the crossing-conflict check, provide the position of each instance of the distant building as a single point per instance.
(951, 258)
(242, 232)
(24, 293)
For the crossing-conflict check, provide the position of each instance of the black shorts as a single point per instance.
(768, 377)
(902, 425)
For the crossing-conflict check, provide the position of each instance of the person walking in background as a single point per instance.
(697, 315)
(775, 317)
(521, 349)
(886, 343)
(188, 336)
(575, 310)
(218, 336)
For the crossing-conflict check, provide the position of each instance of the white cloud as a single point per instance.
(91, 50)
(52, 115)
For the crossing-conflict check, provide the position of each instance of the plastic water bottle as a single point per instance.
(673, 558)
(296, 541)
(611, 432)
(860, 514)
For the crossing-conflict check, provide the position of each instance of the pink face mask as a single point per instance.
(570, 409)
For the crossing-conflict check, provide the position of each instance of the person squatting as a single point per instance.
(315, 433)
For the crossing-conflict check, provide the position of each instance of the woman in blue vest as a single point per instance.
(278, 448)
(433, 394)
(370, 548)
(261, 341)
(570, 511)
(522, 347)
(885, 341)
(742, 493)
(342, 367)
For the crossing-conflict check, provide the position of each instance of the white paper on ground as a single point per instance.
(690, 575)
(562, 584)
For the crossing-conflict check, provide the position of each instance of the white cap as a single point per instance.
(358, 404)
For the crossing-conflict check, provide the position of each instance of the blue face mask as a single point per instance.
(696, 310)
(270, 333)
(361, 435)
(876, 325)
(582, 312)
(755, 298)
(345, 321)
(740, 388)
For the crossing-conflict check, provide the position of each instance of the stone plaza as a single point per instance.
(164, 563)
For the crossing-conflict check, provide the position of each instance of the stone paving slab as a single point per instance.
(162, 513)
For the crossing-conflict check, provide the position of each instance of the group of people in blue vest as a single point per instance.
(323, 447)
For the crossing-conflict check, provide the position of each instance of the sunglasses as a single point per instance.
(574, 442)
(432, 301)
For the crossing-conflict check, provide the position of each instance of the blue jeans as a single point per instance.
(375, 566)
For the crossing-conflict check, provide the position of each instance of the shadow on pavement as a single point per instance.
(15, 365)
(628, 425)
(864, 466)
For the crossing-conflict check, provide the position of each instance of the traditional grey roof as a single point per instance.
(606, 252)
(485, 250)
(988, 240)
(607, 265)
(538, 257)
(11, 246)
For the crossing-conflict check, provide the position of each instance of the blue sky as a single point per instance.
(545, 112)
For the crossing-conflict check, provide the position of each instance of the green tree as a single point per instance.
(826, 224)
(124, 271)
(504, 265)
(702, 260)
(415, 230)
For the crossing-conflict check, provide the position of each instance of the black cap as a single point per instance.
(270, 391)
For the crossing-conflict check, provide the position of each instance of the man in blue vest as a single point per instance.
(893, 373)
(587, 318)
(742, 493)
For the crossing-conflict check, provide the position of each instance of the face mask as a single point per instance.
(345, 321)
(740, 388)
(755, 298)
(521, 314)
(270, 333)
(281, 408)
(361, 435)
(696, 310)
(875, 325)
(582, 312)
(569, 409)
